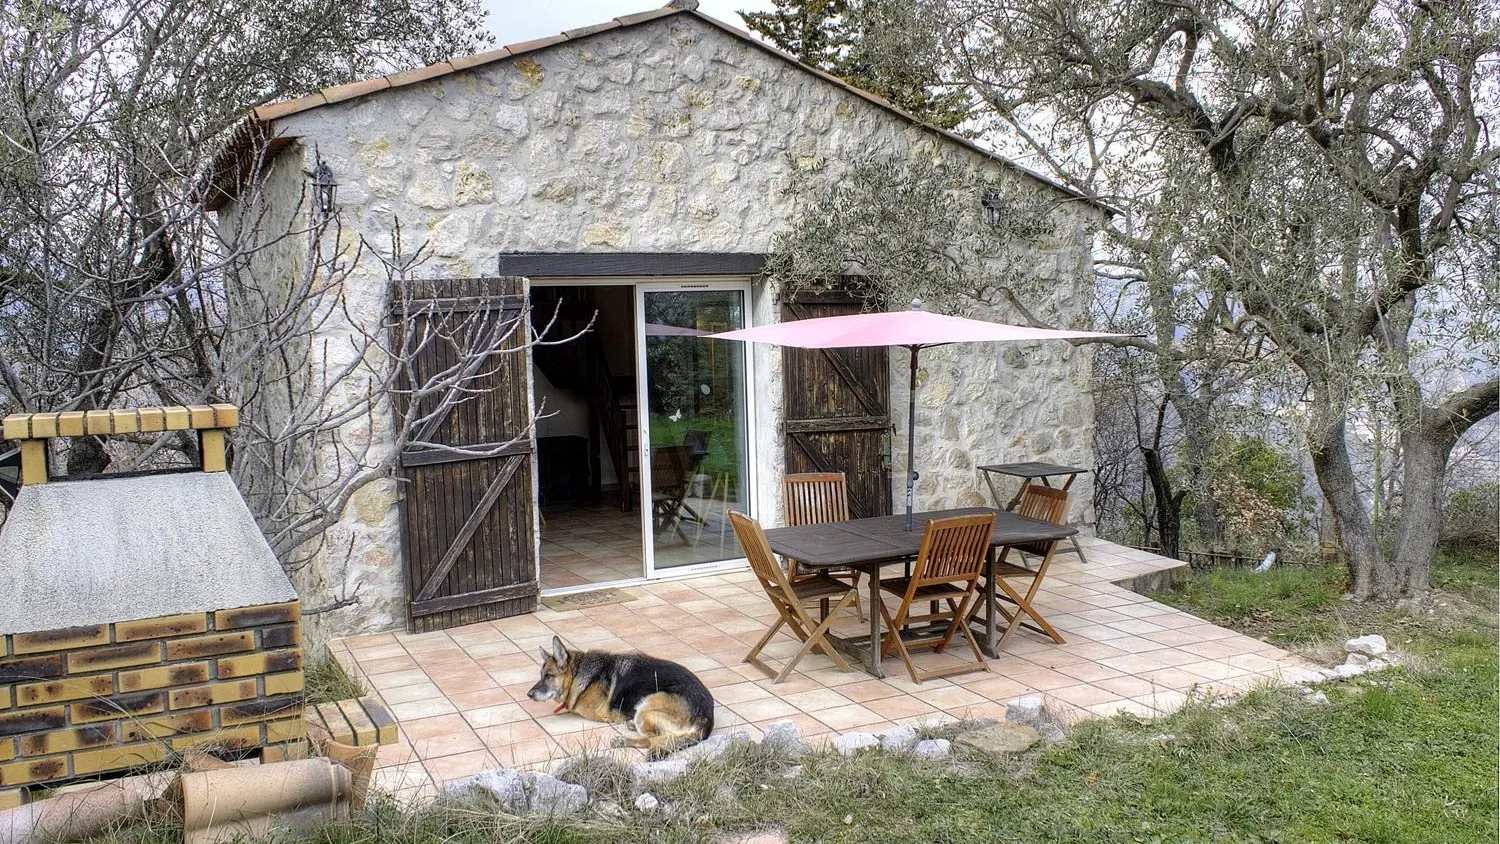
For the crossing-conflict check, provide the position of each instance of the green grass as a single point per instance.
(325, 681)
(1407, 755)
(722, 457)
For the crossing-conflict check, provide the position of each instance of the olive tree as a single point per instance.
(1320, 178)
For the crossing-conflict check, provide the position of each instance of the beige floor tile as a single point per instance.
(951, 698)
(1083, 694)
(1089, 672)
(418, 709)
(900, 707)
(868, 689)
(849, 717)
(764, 709)
(740, 692)
(489, 716)
(397, 679)
(449, 768)
(406, 694)
(1042, 679)
(504, 735)
(493, 696)
(816, 699)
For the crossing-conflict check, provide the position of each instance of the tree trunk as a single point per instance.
(1198, 443)
(1335, 473)
(1168, 505)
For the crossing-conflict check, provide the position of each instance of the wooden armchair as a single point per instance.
(790, 599)
(947, 570)
(1045, 504)
(814, 498)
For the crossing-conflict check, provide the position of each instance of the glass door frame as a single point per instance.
(643, 431)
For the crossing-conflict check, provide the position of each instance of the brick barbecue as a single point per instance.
(143, 615)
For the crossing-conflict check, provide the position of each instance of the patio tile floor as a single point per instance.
(460, 695)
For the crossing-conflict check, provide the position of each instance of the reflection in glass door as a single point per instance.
(694, 424)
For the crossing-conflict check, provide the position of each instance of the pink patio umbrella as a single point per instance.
(915, 329)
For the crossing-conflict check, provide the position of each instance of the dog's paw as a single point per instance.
(622, 741)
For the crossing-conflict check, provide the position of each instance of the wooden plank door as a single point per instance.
(838, 408)
(468, 505)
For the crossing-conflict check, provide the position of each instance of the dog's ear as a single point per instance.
(559, 651)
(546, 655)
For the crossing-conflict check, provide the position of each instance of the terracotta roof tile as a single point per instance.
(339, 93)
(267, 113)
(536, 44)
(642, 17)
(478, 59)
(584, 31)
(421, 74)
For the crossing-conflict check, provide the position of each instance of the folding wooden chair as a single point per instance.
(813, 498)
(671, 472)
(1049, 505)
(790, 599)
(947, 570)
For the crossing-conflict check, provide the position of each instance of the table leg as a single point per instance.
(874, 610)
(989, 603)
(1010, 506)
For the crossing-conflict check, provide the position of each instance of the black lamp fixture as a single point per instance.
(325, 186)
(994, 203)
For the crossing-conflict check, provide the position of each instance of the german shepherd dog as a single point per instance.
(668, 707)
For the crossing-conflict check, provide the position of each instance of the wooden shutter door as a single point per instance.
(468, 504)
(838, 408)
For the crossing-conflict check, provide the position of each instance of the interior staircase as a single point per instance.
(581, 367)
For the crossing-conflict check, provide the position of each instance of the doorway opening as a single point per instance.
(643, 444)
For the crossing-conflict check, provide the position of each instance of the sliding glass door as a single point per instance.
(694, 422)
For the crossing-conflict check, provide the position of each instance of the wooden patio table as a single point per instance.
(868, 544)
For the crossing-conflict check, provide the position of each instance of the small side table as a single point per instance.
(1029, 472)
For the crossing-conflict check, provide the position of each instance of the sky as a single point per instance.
(523, 20)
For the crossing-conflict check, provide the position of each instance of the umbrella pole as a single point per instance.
(911, 436)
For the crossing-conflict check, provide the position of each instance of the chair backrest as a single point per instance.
(696, 441)
(1047, 504)
(669, 468)
(816, 497)
(953, 549)
(762, 559)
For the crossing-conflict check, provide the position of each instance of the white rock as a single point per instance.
(1377, 665)
(666, 769)
(792, 772)
(552, 796)
(898, 740)
(784, 737)
(505, 785)
(849, 744)
(1357, 659)
(712, 747)
(932, 749)
(1345, 671)
(647, 802)
(1371, 645)
(1316, 699)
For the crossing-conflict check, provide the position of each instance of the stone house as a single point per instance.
(638, 171)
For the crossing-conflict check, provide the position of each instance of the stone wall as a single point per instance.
(667, 136)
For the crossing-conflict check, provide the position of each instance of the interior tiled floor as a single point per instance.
(460, 695)
(597, 543)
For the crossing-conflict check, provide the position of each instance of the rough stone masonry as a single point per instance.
(673, 136)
